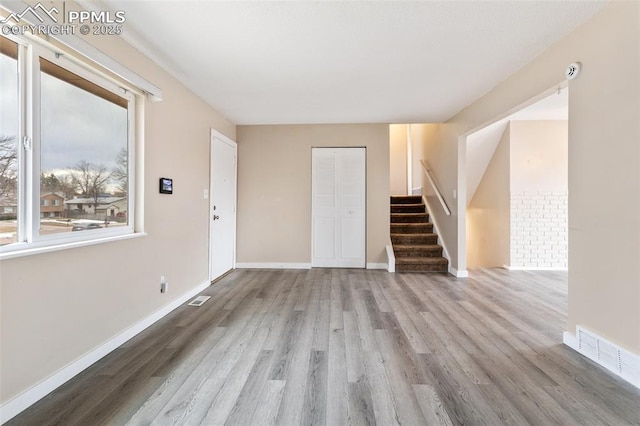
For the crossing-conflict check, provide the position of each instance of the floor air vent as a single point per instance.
(199, 301)
(614, 358)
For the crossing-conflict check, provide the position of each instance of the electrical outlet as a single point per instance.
(164, 286)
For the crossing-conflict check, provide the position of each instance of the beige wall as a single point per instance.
(604, 164)
(420, 134)
(480, 148)
(398, 159)
(539, 156)
(488, 214)
(80, 298)
(274, 188)
(442, 158)
(417, 152)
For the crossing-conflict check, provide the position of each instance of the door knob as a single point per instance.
(216, 217)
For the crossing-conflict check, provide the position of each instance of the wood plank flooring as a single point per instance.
(338, 347)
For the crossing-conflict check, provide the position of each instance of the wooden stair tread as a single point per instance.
(414, 234)
(411, 227)
(412, 239)
(416, 224)
(409, 214)
(406, 199)
(421, 260)
(408, 207)
(417, 246)
(417, 250)
(435, 264)
(402, 218)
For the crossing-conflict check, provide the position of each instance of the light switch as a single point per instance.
(205, 193)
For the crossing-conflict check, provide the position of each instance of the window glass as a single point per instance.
(77, 150)
(9, 135)
(83, 154)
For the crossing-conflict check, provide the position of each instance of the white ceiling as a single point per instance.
(290, 62)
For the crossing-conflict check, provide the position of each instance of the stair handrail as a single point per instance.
(427, 171)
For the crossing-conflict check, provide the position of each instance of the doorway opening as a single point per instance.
(517, 189)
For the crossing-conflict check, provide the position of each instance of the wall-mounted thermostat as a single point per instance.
(166, 186)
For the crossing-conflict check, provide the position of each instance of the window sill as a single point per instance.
(51, 248)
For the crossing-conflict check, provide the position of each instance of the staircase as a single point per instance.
(415, 245)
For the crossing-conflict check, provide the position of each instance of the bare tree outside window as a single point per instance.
(120, 173)
(8, 164)
(90, 180)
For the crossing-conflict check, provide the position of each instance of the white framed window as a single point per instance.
(67, 139)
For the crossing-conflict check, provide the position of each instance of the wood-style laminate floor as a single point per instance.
(338, 347)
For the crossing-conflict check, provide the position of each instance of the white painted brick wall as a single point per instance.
(539, 229)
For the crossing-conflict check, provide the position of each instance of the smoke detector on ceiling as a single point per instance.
(573, 70)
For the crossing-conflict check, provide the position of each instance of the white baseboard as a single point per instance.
(21, 402)
(416, 191)
(273, 265)
(608, 355)
(378, 266)
(458, 274)
(570, 340)
(529, 268)
(391, 259)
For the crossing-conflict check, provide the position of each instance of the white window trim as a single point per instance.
(30, 249)
(29, 210)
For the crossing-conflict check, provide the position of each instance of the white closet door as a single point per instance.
(339, 207)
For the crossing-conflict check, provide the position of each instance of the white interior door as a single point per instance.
(339, 207)
(222, 208)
